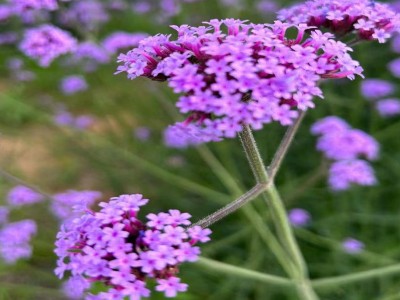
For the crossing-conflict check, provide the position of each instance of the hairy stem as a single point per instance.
(278, 211)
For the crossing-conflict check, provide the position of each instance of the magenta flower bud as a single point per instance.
(299, 217)
(352, 246)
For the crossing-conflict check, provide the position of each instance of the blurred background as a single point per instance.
(75, 129)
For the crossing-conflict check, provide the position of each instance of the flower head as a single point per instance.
(352, 246)
(230, 73)
(45, 43)
(344, 173)
(114, 247)
(388, 107)
(14, 240)
(73, 84)
(376, 88)
(22, 195)
(299, 217)
(370, 19)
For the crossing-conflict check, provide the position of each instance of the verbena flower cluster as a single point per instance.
(73, 84)
(231, 73)
(376, 90)
(14, 240)
(299, 217)
(369, 19)
(345, 146)
(47, 42)
(65, 118)
(21, 195)
(114, 247)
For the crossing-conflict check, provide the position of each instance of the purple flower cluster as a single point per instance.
(22, 6)
(19, 73)
(14, 240)
(65, 118)
(352, 246)
(376, 88)
(370, 20)
(299, 217)
(21, 195)
(345, 146)
(232, 73)
(73, 84)
(373, 89)
(388, 107)
(45, 43)
(120, 40)
(4, 212)
(89, 55)
(112, 246)
(68, 205)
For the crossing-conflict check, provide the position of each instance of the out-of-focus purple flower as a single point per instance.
(371, 20)
(45, 43)
(114, 247)
(299, 217)
(75, 287)
(7, 38)
(21, 195)
(85, 15)
(344, 173)
(142, 133)
(376, 88)
(141, 7)
(64, 204)
(89, 55)
(118, 41)
(267, 6)
(328, 125)
(6, 11)
(4, 211)
(182, 135)
(348, 144)
(14, 240)
(252, 74)
(65, 118)
(23, 6)
(394, 67)
(388, 107)
(352, 246)
(73, 84)
(15, 63)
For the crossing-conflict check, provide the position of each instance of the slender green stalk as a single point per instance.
(231, 207)
(245, 273)
(334, 282)
(284, 146)
(278, 212)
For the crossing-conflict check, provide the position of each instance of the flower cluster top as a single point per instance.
(114, 247)
(345, 145)
(371, 20)
(231, 73)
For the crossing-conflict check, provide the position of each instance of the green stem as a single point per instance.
(334, 282)
(278, 211)
(245, 273)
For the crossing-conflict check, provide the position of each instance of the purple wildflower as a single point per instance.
(89, 55)
(252, 74)
(352, 246)
(114, 247)
(14, 240)
(376, 88)
(388, 107)
(120, 40)
(22, 195)
(7, 38)
(23, 6)
(65, 118)
(394, 67)
(329, 125)
(6, 11)
(45, 43)
(299, 217)
(73, 84)
(371, 20)
(75, 287)
(346, 172)
(267, 6)
(85, 15)
(396, 44)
